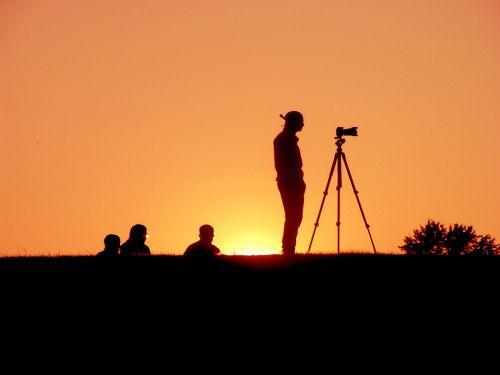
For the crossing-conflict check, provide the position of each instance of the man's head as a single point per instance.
(138, 233)
(207, 232)
(293, 120)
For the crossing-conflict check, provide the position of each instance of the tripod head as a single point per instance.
(349, 131)
(341, 132)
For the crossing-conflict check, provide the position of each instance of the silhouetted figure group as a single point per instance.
(135, 245)
(291, 186)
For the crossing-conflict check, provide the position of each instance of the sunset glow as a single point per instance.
(251, 251)
(163, 113)
(250, 245)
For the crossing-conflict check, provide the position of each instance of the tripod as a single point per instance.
(339, 156)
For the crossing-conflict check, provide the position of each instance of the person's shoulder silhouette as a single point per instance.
(135, 245)
(203, 247)
(111, 245)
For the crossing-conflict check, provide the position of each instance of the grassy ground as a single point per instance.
(329, 275)
(382, 304)
(256, 295)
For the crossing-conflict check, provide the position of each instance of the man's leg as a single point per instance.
(293, 203)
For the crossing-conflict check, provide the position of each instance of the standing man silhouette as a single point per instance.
(290, 178)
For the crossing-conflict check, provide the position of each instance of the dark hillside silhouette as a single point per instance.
(268, 302)
(302, 276)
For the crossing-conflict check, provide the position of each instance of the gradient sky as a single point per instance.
(117, 112)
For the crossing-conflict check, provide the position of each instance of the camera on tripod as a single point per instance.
(349, 131)
(337, 160)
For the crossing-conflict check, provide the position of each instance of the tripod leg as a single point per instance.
(339, 186)
(325, 193)
(359, 202)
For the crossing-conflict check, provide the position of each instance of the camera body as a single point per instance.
(349, 131)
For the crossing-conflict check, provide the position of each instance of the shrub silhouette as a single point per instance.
(435, 239)
(459, 240)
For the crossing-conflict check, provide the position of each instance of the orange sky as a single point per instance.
(117, 112)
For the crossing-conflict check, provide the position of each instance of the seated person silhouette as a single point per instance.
(111, 245)
(203, 247)
(135, 245)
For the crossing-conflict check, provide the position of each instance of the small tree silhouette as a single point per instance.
(459, 240)
(426, 240)
(485, 245)
(434, 239)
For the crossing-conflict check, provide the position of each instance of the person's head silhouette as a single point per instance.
(293, 121)
(138, 233)
(135, 245)
(203, 247)
(111, 245)
(112, 242)
(207, 233)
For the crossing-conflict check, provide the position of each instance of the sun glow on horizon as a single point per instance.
(254, 244)
(250, 252)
